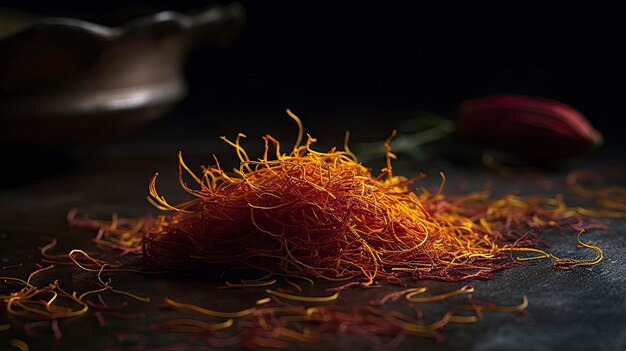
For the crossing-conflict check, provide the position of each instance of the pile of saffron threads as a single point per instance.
(324, 215)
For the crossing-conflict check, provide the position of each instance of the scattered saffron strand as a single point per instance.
(610, 198)
(296, 286)
(515, 308)
(131, 295)
(13, 266)
(288, 334)
(19, 344)
(306, 279)
(4, 327)
(332, 297)
(601, 213)
(106, 285)
(569, 263)
(28, 328)
(191, 325)
(44, 251)
(98, 263)
(16, 280)
(37, 271)
(447, 318)
(451, 317)
(467, 289)
(55, 329)
(248, 285)
(208, 312)
(263, 301)
(396, 295)
(562, 263)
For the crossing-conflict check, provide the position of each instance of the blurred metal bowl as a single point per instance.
(68, 82)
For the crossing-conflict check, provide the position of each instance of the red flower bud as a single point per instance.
(531, 127)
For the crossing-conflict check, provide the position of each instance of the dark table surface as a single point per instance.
(579, 309)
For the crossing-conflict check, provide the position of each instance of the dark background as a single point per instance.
(318, 56)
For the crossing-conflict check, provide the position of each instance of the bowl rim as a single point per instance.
(175, 19)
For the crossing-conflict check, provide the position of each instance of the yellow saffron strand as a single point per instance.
(17, 280)
(158, 200)
(181, 162)
(601, 213)
(467, 289)
(99, 263)
(248, 285)
(569, 263)
(330, 298)
(106, 285)
(263, 301)
(515, 308)
(87, 293)
(289, 334)
(19, 344)
(559, 262)
(300, 131)
(131, 295)
(197, 326)
(208, 312)
(346, 148)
